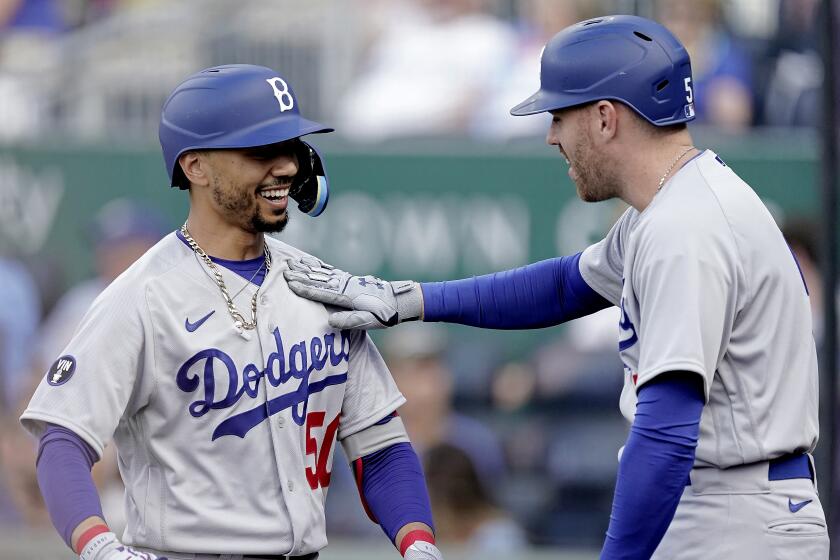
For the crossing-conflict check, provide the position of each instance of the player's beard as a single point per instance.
(263, 226)
(245, 210)
(593, 182)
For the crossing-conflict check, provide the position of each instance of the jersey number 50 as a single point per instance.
(320, 476)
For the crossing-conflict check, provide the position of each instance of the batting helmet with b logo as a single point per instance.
(626, 58)
(241, 106)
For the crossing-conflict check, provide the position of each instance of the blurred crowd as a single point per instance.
(514, 452)
(380, 69)
(35, 326)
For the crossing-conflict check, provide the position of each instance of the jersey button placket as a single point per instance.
(286, 474)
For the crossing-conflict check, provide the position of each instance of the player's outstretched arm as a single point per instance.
(539, 295)
(63, 466)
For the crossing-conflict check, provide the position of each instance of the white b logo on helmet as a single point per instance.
(284, 96)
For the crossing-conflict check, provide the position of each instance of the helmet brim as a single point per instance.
(543, 101)
(271, 132)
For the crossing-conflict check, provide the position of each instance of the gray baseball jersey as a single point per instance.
(225, 438)
(706, 283)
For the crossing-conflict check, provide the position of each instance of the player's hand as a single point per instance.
(106, 546)
(371, 303)
(421, 550)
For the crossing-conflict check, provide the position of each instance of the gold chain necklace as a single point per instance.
(671, 167)
(239, 320)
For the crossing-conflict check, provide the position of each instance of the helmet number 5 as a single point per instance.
(689, 98)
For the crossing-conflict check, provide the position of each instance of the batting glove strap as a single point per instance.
(422, 550)
(409, 298)
(96, 547)
(106, 546)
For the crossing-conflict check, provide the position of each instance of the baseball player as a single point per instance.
(720, 370)
(224, 392)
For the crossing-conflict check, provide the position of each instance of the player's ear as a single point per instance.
(195, 167)
(606, 119)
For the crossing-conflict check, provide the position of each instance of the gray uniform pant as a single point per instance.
(738, 514)
(186, 556)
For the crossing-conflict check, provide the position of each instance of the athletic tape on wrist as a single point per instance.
(99, 542)
(89, 534)
(413, 536)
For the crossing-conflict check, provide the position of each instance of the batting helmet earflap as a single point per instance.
(241, 106)
(625, 58)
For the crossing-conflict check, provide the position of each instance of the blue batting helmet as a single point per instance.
(625, 58)
(241, 106)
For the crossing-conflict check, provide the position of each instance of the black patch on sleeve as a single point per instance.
(61, 371)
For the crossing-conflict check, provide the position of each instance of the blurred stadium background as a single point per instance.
(431, 178)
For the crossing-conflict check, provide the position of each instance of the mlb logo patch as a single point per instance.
(689, 111)
(61, 371)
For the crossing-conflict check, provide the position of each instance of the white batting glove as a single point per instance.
(106, 546)
(371, 303)
(422, 550)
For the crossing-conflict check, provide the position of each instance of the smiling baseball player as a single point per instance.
(224, 392)
(715, 332)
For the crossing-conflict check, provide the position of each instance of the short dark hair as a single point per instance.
(668, 129)
(652, 129)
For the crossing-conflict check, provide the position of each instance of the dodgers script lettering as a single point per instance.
(302, 360)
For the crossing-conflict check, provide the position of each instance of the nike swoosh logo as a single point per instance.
(191, 327)
(796, 507)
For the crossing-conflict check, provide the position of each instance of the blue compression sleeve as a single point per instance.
(655, 465)
(63, 469)
(394, 489)
(542, 294)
